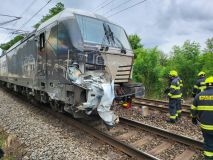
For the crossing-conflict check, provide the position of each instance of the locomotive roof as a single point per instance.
(69, 13)
(65, 14)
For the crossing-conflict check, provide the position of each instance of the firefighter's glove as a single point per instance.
(194, 121)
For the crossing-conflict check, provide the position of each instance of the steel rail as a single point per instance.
(179, 138)
(127, 149)
(66, 118)
(187, 106)
(162, 108)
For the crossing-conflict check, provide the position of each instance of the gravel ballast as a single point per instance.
(46, 137)
(183, 126)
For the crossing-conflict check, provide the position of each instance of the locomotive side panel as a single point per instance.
(72, 62)
(4, 69)
(21, 62)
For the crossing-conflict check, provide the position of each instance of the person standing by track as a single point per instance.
(200, 84)
(202, 111)
(174, 95)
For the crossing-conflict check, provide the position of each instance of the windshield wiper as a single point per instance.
(106, 33)
(113, 38)
(106, 36)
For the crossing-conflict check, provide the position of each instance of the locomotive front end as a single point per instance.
(76, 61)
(108, 61)
(92, 59)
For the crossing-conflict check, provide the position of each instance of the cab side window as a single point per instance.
(41, 41)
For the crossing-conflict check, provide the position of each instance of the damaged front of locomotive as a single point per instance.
(99, 58)
(99, 93)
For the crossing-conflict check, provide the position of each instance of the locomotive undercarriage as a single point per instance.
(41, 66)
(77, 99)
(84, 92)
(86, 96)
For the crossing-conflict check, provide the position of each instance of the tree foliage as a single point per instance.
(186, 60)
(147, 69)
(207, 57)
(135, 43)
(151, 66)
(209, 45)
(6, 46)
(52, 12)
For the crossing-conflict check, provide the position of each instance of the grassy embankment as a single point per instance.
(10, 147)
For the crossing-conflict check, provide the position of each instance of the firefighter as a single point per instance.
(202, 111)
(174, 96)
(200, 84)
(179, 108)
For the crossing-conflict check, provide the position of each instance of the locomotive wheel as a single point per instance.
(28, 96)
(53, 105)
(61, 108)
(33, 100)
(56, 106)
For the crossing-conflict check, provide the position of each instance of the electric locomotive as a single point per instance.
(76, 61)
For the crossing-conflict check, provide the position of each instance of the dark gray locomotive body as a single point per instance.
(74, 61)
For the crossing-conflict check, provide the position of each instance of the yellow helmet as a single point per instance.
(201, 74)
(173, 73)
(209, 81)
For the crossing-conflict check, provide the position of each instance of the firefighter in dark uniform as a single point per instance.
(179, 108)
(200, 84)
(202, 111)
(174, 96)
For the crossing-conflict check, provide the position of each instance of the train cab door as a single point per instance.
(42, 60)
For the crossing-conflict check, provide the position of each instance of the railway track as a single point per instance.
(153, 141)
(103, 136)
(160, 105)
(137, 140)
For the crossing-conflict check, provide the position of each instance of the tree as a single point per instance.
(209, 45)
(6, 46)
(152, 66)
(186, 60)
(147, 70)
(148, 66)
(207, 63)
(207, 57)
(52, 12)
(135, 43)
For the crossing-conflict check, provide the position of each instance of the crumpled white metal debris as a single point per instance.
(100, 95)
(106, 102)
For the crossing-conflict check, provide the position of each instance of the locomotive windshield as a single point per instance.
(94, 31)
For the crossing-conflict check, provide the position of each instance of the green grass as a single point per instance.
(3, 138)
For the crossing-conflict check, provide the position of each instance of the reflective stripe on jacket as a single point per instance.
(202, 108)
(208, 154)
(181, 82)
(174, 89)
(199, 86)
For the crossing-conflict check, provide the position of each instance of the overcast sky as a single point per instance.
(162, 23)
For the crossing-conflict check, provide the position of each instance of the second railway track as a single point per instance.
(137, 140)
(159, 105)
(156, 142)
